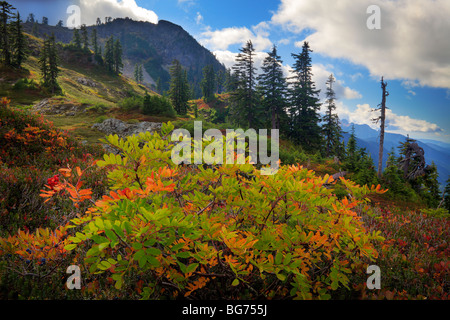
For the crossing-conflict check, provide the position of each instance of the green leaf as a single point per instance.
(281, 276)
(102, 246)
(110, 235)
(191, 267)
(74, 240)
(235, 282)
(153, 261)
(184, 254)
(153, 251)
(278, 258)
(70, 247)
(137, 246)
(142, 261)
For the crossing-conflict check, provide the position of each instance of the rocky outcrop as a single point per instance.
(87, 82)
(59, 106)
(123, 129)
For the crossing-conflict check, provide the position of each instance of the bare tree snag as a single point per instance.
(382, 119)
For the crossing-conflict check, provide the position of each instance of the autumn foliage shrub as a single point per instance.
(414, 257)
(227, 232)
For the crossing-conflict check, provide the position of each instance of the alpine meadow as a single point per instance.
(298, 152)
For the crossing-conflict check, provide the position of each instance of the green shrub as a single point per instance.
(24, 83)
(131, 103)
(156, 105)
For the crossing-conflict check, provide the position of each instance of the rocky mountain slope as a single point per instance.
(153, 45)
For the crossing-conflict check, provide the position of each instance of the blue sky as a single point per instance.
(411, 50)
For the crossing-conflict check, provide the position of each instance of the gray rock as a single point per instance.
(87, 82)
(123, 129)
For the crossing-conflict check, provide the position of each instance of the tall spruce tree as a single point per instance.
(331, 125)
(304, 103)
(208, 83)
(5, 45)
(138, 73)
(179, 91)
(76, 40)
(84, 37)
(49, 65)
(109, 54)
(273, 88)
(244, 110)
(19, 52)
(94, 42)
(446, 199)
(220, 81)
(117, 56)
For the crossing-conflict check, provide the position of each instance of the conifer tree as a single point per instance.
(94, 42)
(304, 103)
(138, 73)
(117, 56)
(76, 38)
(45, 21)
(60, 24)
(19, 52)
(49, 64)
(220, 81)
(31, 18)
(179, 92)
(84, 37)
(208, 83)
(109, 54)
(331, 128)
(244, 110)
(446, 198)
(273, 88)
(5, 45)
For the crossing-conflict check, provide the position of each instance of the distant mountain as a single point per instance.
(435, 151)
(153, 45)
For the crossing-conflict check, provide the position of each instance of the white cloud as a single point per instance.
(228, 58)
(412, 43)
(394, 122)
(199, 18)
(91, 9)
(222, 39)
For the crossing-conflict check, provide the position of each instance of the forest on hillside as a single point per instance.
(138, 226)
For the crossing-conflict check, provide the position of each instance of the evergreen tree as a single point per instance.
(331, 128)
(84, 37)
(447, 195)
(244, 108)
(19, 52)
(94, 42)
(430, 191)
(179, 92)
(273, 88)
(208, 83)
(138, 73)
(98, 22)
(159, 88)
(220, 81)
(76, 40)
(31, 18)
(5, 45)
(230, 81)
(117, 56)
(45, 21)
(60, 24)
(109, 54)
(304, 103)
(49, 65)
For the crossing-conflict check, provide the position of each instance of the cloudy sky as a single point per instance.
(411, 49)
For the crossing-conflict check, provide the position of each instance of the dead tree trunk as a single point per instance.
(382, 119)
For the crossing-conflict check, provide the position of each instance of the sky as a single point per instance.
(405, 41)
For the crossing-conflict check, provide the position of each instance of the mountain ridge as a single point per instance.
(155, 46)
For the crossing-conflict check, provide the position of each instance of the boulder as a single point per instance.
(123, 129)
